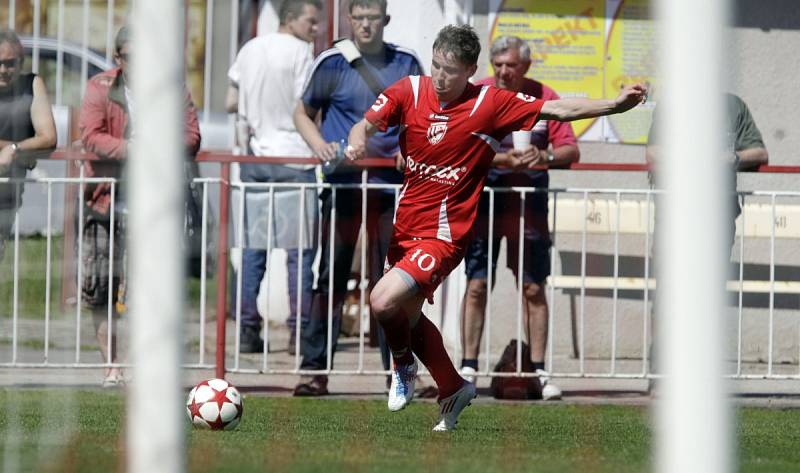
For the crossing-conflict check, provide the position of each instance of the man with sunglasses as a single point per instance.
(341, 92)
(108, 115)
(26, 124)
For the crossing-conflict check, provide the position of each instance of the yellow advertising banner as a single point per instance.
(586, 48)
(630, 58)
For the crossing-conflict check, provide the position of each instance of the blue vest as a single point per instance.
(341, 93)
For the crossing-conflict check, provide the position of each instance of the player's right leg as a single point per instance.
(395, 302)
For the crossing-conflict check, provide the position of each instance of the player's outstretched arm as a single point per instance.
(357, 140)
(569, 109)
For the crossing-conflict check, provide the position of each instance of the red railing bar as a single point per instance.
(225, 156)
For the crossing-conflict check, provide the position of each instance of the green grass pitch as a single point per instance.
(82, 431)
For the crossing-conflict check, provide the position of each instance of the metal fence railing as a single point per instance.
(600, 293)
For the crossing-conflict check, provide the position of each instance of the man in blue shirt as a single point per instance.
(341, 93)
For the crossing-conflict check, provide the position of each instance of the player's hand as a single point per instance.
(629, 97)
(326, 152)
(356, 143)
(355, 151)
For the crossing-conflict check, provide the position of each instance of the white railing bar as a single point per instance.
(615, 294)
(771, 286)
(234, 37)
(772, 193)
(741, 293)
(111, 241)
(58, 180)
(109, 30)
(240, 258)
(646, 298)
(91, 365)
(489, 281)
(362, 293)
(638, 284)
(298, 325)
(48, 271)
(335, 19)
(581, 321)
(566, 375)
(204, 274)
(79, 275)
(15, 300)
(520, 280)
(551, 306)
(331, 272)
(85, 46)
(12, 13)
(581, 190)
(37, 19)
(268, 261)
(208, 60)
(60, 54)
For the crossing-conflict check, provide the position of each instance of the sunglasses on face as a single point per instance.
(9, 63)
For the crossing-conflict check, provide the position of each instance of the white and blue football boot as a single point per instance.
(401, 391)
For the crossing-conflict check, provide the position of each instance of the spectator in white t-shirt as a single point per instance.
(266, 82)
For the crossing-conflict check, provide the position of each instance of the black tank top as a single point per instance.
(15, 110)
(15, 125)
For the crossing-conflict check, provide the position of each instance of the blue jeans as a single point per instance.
(253, 269)
(254, 259)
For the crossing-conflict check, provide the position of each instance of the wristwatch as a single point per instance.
(550, 157)
(15, 147)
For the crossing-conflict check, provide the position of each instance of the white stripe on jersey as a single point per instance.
(480, 99)
(489, 140)
(443, 233)
(397, 204)
(415, 88)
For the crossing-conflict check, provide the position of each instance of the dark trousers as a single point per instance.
(380, 213)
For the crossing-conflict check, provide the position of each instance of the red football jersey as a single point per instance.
(448, 150)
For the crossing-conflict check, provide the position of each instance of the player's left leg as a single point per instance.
(395, 301)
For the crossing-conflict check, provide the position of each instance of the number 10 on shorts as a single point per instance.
(424, 261)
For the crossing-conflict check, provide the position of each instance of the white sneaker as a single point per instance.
(468, 373)
(550, 392)
(450, 407)
(401, 391)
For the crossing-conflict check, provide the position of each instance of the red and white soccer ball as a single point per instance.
(214, 404)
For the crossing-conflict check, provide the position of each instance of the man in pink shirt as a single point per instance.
(511, 60)
(451, 132)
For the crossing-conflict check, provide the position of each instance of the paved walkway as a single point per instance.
(576, 390)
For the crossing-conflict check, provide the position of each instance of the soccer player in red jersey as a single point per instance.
(451, 133)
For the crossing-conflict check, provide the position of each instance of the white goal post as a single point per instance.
(155, 418)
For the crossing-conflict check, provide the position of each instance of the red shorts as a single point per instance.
(428, 261)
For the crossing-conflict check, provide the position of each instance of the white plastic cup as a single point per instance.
(522, 140)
